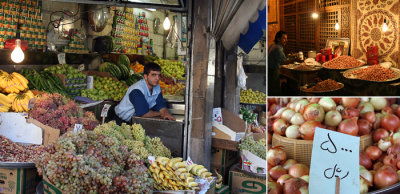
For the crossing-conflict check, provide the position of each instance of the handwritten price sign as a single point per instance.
(334, 155)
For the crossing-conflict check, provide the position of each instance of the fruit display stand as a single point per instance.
(241, 181)
(171, 133)
(18, 177)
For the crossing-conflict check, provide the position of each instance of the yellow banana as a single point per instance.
(179, 165)
(12, 96)
(205, 174)
(20, 107)
(151, 169)
(22, 79)
(162, 167)
(3, 83)
(201, 170)
(15, 106)
(185, 175)
(196, 168)
(173, 161)
(189, 168)
(169, 168)
(18, 84)
(193, 184)
(162, 160)
(30, 94)
(218, 186)
(180, 171)
(4, 109)
(4, 99)
(176, 188)
(161, 175)
(219, 177)
(189, 179)
(24, 104)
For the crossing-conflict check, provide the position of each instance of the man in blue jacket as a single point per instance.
(144, 98)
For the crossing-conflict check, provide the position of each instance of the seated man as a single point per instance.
(144, 98)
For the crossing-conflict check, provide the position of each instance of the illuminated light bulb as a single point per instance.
(17, 55)
(314, 15)
(166, 23)
(384, 27)
(337, 26)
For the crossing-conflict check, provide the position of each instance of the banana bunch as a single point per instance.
(12, 83)
(199, 170)
(173, 174)
(219, 180)
(5, 103)
(20, 101)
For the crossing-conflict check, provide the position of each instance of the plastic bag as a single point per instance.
(242, 75)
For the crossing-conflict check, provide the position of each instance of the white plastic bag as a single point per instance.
(242, 75)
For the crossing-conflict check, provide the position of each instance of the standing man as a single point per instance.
(276, 57)
(144, 98)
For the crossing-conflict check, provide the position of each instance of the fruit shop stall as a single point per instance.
(292, 124)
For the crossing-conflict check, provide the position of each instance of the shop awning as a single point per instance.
(246, 25)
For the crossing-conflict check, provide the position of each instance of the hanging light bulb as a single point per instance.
(337, 25)
(314, 15)
(17, 55)
(384, 27)
(166, 23)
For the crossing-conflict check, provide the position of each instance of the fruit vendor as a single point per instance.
(144, 98)
(276, 58)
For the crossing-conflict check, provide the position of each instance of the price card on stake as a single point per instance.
(61, 58)
(77, 128)
(81, 67)
(104, 112)
(334, 155)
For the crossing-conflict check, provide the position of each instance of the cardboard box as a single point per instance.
(18, 180)
(240, 182)
(48, 187)
(251, 162)
(15, 127)
(233, 127)
(50, 135)
(223, 190)
(222, 160)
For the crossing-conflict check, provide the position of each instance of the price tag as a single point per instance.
(77, 128)
(105, 110)
(61, 58)
(217, 115)
(189, 161)
(151, 159)
(334, 155)
(81, 67)
(31, 103)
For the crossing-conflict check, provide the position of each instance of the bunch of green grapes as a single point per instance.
(87, 162)
(138, 132)
(137, 147)
(134, 137)
(249, 144)
(156, 148)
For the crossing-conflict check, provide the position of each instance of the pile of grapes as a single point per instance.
(256, 147)
(134, 137)
(87, 162)
(15, 152)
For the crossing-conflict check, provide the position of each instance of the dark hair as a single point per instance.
(279, 35)
(151, 67)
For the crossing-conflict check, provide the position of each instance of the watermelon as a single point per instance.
(124, 60)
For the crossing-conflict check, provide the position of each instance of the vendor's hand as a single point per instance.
(168, 116)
